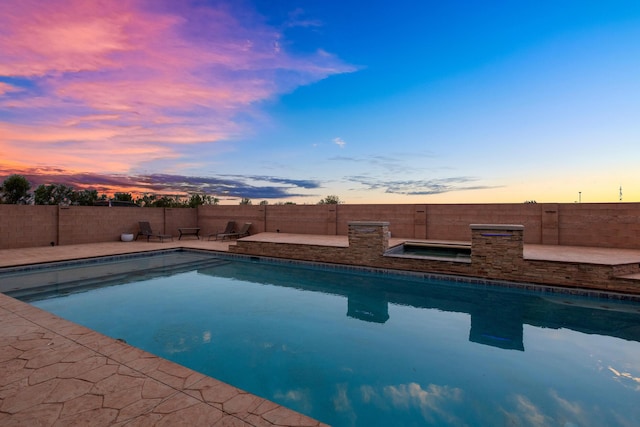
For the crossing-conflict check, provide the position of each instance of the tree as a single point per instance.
(123, 197)
(146, 200)
(15, 190)
(53, 194)
(245, 201)
(85, 197)
(330, 200)
(167, 202)
(264, 202)
(196, 200)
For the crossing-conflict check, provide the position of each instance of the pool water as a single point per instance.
(457, 252)
(364, 349)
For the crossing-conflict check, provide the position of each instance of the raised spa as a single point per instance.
(432, 250)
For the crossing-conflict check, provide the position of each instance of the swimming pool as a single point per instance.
(360, 349)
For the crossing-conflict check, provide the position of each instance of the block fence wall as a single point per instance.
(614, 225)
(31, 226)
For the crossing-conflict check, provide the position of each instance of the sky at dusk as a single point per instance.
(375, 102)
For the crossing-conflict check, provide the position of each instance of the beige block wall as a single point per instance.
(451, 222)
(91, 224)
(549, 222)
(614, 225)
(401, 218)
(599, 224)
(28, 226)
(213, 218)
(301, 219)
(155, 217)
(179, 217)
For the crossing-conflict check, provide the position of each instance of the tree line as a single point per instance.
(16, 190)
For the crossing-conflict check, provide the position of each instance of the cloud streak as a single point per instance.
(418, 187)
(120, 81)
(339, 142)
(236, 186)
(396, 164)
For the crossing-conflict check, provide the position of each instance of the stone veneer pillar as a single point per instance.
(497, 250)
(368, 240)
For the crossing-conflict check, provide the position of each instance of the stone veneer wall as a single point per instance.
(367, 240)
(497, 250)
(496, 253)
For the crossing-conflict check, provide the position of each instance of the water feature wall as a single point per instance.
(497, 253)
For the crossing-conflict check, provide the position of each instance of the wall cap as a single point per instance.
(496, 227)
(369, 223)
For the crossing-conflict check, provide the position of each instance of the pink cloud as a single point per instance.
(60, 36)
(111, 78)
(6, 88)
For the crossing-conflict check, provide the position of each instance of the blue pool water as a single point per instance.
(364, 349)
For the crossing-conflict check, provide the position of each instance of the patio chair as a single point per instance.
(244, 231)
(145, 230)
(229, 229)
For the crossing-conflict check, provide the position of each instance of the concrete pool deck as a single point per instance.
(56, 373)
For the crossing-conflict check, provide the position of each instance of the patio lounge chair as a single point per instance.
(145, 230)
(244, 231)
(229, 229)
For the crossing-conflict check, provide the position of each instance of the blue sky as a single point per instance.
(376, 102)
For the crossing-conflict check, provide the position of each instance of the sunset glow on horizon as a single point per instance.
(409, 102)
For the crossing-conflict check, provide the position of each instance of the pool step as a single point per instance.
(106, 278)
